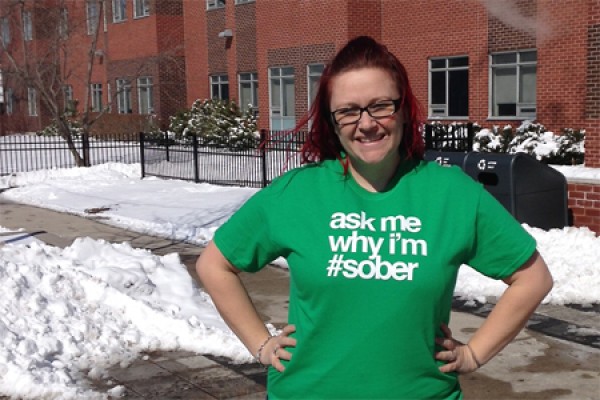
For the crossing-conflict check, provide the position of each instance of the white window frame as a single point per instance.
(92, 12)
(145, 88)
(119, 8)
(221, 82)
(124, 96)
(96, 97)
(32, 108)
(523, 109)
(5, 31)
(27, 26)
(243, 1)
(215, 4)
(282, 115)
(141, 8)
(442, 110)
(250, 79)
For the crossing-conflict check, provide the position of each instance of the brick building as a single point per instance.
(490, 62)
(123, 59)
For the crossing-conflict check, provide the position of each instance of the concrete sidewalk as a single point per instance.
(558, 358)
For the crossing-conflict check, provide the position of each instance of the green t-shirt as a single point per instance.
(372, 274)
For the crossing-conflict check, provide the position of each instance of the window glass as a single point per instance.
(5, 26)
(506, 58)
(219, 87)
(96, 89)
(145, 95)
(248, 91)
(314, 76)
(124, 103)
(32, 102)
(282, 98)
(514, 84)
(27, 26)
(119, 10)
(141, 8)
(9, 98)
(449, 87)
(92, 16)
(63, 27)
(214, 4)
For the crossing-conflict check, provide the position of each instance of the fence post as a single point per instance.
(263, 155)
(428, 139)
(470, 135)
(142, 157)
(167, 155)
(195, 153)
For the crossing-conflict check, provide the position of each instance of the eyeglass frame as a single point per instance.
(395, 102)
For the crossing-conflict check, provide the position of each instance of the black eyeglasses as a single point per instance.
(378, 110)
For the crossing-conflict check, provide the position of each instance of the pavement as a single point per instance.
(556, 357)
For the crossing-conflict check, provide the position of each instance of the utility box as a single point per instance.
(531, 191)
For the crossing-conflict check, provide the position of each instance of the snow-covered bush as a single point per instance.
(535, 140)
(216, 122)
(52, 129)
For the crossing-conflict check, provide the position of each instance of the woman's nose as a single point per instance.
(365, 121)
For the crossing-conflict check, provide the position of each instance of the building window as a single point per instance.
(145, 95)
(27, 26)
(9, 99)
(124, 97)
(282, 94)
(141, 8)
(314, 76)
(69, 105)
(248, 91)
(5, 27)
(96, 97)
(513, 77)
(244, 1)
(449, 87)
(32, 102)
(63, 27)
(219, 87)
(92, 16)
(214, 4)
(119, 8)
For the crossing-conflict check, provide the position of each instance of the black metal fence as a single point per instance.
(23, 153)
(190, 159)
(271, 155)
(450, 137)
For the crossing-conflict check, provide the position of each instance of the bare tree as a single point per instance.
(46, 64)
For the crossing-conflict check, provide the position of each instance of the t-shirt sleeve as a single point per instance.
(501, 245)
(246, 239)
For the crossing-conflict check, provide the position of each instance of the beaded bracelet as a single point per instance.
(474, 356)
(261, 348)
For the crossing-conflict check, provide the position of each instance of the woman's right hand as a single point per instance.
(275, 350)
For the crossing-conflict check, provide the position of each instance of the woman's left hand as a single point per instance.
(457, 354)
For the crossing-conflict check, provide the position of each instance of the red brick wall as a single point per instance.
(592, 146)
(416, 30)
(584, 202)
(196, 54)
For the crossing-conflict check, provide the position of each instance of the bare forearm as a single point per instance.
(231, 298)
(527, 289)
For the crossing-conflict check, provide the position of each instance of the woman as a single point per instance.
(374, 237)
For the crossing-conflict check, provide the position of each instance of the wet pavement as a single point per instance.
(556, 357)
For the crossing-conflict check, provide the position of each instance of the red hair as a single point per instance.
(322, 142)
